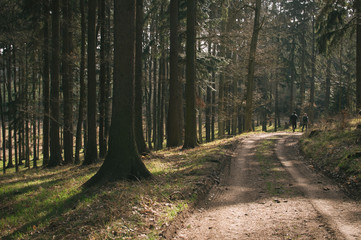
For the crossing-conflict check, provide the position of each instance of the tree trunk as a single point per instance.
(46, 86)
(312, 83)
(190, 140)
(55, 150)
(328, 86)
(358, 54)
(82, 86)
(3, 127)
(10, 108)
(102, 80)
(175, 112)
(123, 160)
(91, 155)
(67, 77)
(138, 121)
(251, 66)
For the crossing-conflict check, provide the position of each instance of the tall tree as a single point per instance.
(138, 121)
(190, 139)
(55, 149)
(175, 112)
(82, 96)
(357, 7)
(123, 160)
(251, 67)
(91, 154)
(102, 80)
(67, 77)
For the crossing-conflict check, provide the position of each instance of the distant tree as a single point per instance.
(123, 160)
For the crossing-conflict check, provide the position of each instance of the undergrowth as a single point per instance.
(334, 147)
(51, 204)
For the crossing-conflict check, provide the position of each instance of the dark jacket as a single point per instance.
(293, 118)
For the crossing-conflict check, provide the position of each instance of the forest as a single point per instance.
(113, 83)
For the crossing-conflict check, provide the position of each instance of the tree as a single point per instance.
(67, 78)
(190, 140)
(55, 150)
(123, 160)
(175, 112)
(251, 66)
(91, 154)
(82, 85)
(138, 121)
(46, 85)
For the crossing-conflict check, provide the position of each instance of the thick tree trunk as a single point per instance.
(67, 77)
(175, 112)
(138, 121)
(190, 140)
(251, 66)
(46, 86)
(123, 160)
(91, 154)
(55, 150)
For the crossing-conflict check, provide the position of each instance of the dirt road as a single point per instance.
(269, 192)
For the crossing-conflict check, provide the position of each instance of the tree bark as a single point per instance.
(251, 66)
(190, 140)
(123, 160)
(46, 86)
(55, 150)
(67, 77)
(91, 155)
(358, 54)
(175, 112)
(82, 86)
(328, 86)
(138, 121)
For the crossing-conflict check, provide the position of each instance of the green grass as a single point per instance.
(42, 203)
(334, 151)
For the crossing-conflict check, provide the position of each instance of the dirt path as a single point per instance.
(267, 192)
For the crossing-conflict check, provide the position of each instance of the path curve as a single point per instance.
(266, 194)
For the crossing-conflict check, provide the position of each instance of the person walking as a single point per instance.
(305, 122)
(293, 121)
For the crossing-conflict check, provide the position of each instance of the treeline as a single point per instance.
(202, 70)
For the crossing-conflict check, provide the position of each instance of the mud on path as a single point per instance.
(269, 192)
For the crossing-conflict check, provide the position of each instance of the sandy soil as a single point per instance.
(273, 194)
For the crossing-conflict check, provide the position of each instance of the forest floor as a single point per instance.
(269, 191)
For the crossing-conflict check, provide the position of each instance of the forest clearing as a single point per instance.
(151, 119)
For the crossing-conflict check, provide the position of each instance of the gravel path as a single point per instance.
(268, 192)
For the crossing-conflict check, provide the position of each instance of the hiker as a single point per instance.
(293, 121)
(304, 121)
